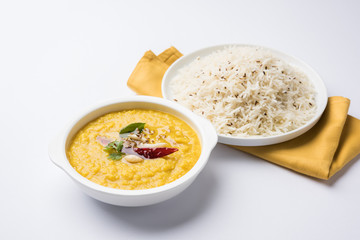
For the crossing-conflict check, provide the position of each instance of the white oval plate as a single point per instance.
(321, 97)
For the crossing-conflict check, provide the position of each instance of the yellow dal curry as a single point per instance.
(88, 158)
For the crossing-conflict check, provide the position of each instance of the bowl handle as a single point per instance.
(55, 152)
(209, 131)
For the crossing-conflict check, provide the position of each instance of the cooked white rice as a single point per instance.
(246, 91)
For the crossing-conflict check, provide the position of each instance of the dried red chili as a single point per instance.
(155, 152)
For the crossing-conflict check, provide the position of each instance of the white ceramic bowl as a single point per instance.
(321, 98)
(204, 129)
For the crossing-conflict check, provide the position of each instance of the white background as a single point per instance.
(59, 57)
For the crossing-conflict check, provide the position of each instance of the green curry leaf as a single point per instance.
(116, 156)
(114, 146)
(132, 127)
(119, 146)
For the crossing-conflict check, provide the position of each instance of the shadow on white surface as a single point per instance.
(188, 205)
(339, 175)
(334, 179)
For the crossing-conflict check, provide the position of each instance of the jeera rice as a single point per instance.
(246, 91)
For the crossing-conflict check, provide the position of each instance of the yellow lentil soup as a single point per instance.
(86, 152)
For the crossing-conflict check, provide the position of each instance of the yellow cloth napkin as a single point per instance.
(148, 73)
(320, 152)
